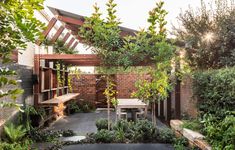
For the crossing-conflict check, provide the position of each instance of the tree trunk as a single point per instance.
(108, 101)
(154, 114)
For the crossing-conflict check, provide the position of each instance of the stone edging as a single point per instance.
(194, 138)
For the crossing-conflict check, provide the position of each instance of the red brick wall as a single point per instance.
(126, 84)
(188, 102)
(86, 85)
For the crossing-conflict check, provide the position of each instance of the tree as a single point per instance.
(147, 46)
(209, 35)
(17, 27)
(161, 53)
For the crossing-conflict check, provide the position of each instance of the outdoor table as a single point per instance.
(131, 104)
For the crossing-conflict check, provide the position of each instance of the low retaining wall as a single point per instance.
(193, 137)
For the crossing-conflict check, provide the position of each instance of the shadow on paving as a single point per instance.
(120, 147)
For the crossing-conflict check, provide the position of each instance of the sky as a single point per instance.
(132, 13)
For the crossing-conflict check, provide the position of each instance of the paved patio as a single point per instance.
(83, 123)
(120, 147)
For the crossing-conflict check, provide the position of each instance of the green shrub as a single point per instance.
(102, 124)
(104, 136)
(86, 106)
(73, 107)
(24, 145)
(120, 135)
(194, 125)
(48, 135)
(220, 134)
(166, 135)
(14, 133)
(68, 133)
(123, 124)
(215, 90)
(180, 143)
(144, 131)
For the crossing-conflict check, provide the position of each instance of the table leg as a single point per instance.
(118, 113)
(145, 111)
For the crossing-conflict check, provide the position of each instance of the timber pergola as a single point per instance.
(73, 22)
(77, 59)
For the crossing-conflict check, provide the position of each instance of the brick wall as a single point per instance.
(126, 84)
(86, 85)
(188, 103)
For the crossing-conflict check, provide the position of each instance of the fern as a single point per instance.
(14, 133)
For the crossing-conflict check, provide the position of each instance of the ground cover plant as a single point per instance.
(142, 131)
(123, 131)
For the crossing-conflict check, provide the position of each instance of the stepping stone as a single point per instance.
(73, 138)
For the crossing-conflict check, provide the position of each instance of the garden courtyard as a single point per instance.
(153, 75)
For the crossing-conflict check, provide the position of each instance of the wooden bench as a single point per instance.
(59, 103)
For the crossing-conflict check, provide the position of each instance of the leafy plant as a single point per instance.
(120, 135)
(102, 124)
(49, 136)
(14, 133)
(86, 106)
(104, 136)
(144, 131)
(22, 145)
(166, 135)
(214, 91)
(220, 134)
(194, 125)
(68, 133)
(181, 143)
(17, 27)
(73, 107)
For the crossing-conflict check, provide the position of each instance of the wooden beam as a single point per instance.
(36, 86)
(70, 27)
(70, 20)
(91, 59)
(57, 34)
(68, 56)
(74, 45)
(66, 37)
(50, 25)
(70, 42)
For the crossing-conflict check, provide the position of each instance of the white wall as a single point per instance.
(26, 57)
